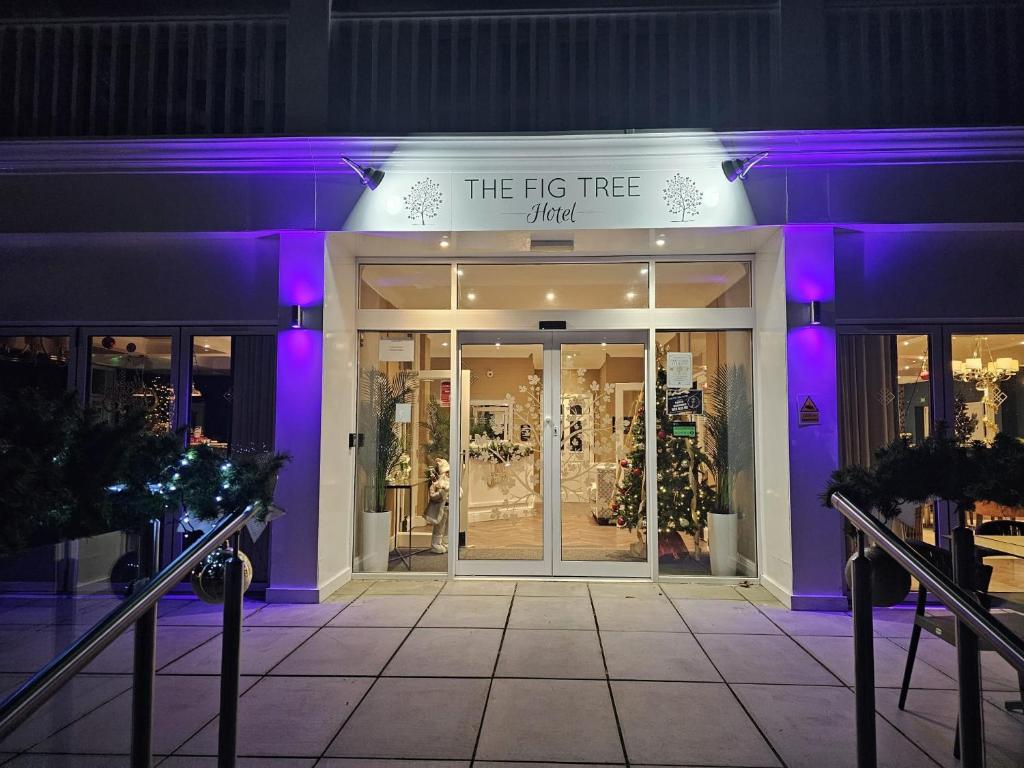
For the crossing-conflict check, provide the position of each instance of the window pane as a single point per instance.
(39, 362)
(988, 391)
(501, 506)
(584, 285)
(884, 394)
(403, 415)
(720, 284)
(129, 371)
(705, 438)
(405, 286)
(231, 404)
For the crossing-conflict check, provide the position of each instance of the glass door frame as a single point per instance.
(551, 564)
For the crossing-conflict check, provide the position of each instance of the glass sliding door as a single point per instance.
(503, 426)
(550, 425)
(601, 452)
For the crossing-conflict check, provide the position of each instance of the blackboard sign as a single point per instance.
(684, 402)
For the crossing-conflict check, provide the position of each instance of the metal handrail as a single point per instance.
(47, 681)
(959, 601)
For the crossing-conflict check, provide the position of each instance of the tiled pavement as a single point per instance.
(394, 674)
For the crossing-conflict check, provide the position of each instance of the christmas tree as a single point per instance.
(684, 495)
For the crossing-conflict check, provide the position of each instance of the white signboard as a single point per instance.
(395, 350)
(679, 370)
(684, 196)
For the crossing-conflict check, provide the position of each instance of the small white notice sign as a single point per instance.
(395, 350)
(679, 370)
(403, 413)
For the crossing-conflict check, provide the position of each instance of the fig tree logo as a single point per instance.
(423, 201)
(682, 197)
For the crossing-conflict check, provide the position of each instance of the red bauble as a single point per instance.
(624, 463)
(662, 434)
(638, 471)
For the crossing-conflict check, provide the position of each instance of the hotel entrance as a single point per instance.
(619, 446)
(550, 425)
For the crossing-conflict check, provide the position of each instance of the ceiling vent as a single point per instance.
(551, 246)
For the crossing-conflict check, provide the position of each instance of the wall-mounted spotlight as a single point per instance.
(814, 312)
(369, 176)
(738, 169)
(296, 316)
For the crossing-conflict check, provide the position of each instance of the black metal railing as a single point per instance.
(972, 622)
(140, 609)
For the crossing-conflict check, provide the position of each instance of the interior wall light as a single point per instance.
(369, 176)
(296, 316)
(660, 241)
(814, 311)
(738, 169)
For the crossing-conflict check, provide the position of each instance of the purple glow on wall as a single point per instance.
(301, 274)
(814, 449)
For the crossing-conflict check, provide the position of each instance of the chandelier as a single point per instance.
(986, 375)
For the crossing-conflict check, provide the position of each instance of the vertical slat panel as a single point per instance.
(268, 78)
(172, 48)
(37, 76)
(229, 79)
(19, 44)
(190, 76)
(55, 109)
(113, 73)
(248, 78)
(211, 75)
(94, 74)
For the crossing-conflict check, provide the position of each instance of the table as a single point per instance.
(403, 513)
(1009, 545)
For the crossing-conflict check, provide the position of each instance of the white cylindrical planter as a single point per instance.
(375, 541)
(723, 541)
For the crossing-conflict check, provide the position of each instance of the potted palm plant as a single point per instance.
(728, 439)
(382, 395)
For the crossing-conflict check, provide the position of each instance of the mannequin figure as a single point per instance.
(437, 507)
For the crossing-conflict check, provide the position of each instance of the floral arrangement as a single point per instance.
(400, 473)
(498, 450)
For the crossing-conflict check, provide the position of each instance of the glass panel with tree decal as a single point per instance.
(501, 506)
(402, 453)
(704, 422)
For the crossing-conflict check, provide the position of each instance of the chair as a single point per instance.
(1002, 527)
(944, 627)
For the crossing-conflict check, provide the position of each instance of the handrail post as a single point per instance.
(972, 741)
(863, 657)
(231, 650)
(144, 662)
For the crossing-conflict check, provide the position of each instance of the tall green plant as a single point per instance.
(728, 432)
(382, 394)
(438, 429)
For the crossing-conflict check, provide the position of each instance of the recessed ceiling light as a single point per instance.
(471, 296)
(550, 295)
(906, 343)
(660, 241)
(459, 272)
(643, 271)
(444, 343)
(604, 343)
(497, 344)
(631, 295)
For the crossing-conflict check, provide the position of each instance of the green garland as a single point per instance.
(66, 472)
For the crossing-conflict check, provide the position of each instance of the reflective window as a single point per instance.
(39, 362)
(405, 286)
(583, 285)
(700, 284)
(988, 392)
(705, 444)
(231, 402)
(402, 474)
(126, 371)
